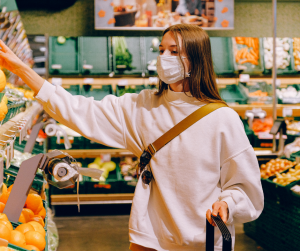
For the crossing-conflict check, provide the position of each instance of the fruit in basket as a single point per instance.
(3, 217)
(22, 218)
(4, 197)
(2, 206)
(5, 249)
(42, 213)
(3, 109)
(17, 238)
(275, 166)
(38, 227)
(27, 213)
(24, 228)
(30, 247)
(34, 202)
(38, 219)
(286, 178)
(109, 166)
(5, 232)
(7, 223)
(36, 239)
(2, 80)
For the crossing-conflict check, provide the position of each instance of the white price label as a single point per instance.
(106, 157)
(244, 78)
(287, 112)
(88, 80)
(56, 66)
(123, 82)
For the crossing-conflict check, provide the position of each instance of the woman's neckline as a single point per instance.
(180, 97)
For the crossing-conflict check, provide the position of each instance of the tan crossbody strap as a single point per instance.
(183, 125)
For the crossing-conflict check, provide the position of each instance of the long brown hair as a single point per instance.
(196, 45)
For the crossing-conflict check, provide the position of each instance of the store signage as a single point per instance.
(160, 14)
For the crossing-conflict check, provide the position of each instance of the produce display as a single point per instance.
(105, 166)
(286, 178)
(289, 93)
(283, 58)
(28, 94)
(123, 56)
(258, 93)
(128, 89)
(275, 166)
(247, 52)
(296, 53)
(293, 127)
(128, 168)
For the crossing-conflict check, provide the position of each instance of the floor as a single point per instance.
(105, 228)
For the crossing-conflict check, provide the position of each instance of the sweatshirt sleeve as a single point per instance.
(241, 187)
(100, 121)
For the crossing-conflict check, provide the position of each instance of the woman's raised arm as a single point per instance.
(12, 63)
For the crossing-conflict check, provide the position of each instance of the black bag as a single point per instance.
(210, 234)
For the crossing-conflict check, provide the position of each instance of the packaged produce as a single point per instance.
(292, 148)
(128, 168)
(275, 166)
(249, 53)
(123, 56)
(283, 58)
(289, 92)
(296, 53)
(286, 178)
(262, 125)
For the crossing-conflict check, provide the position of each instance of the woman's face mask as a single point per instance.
(170, 69)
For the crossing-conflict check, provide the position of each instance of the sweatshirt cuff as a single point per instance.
(45, 92)
(231, 208)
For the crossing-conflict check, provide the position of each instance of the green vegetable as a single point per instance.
(123, 56)
(126, 90)
(61, 40)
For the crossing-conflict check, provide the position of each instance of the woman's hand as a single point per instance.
(219, 207)
(12, 63)
(9, 60)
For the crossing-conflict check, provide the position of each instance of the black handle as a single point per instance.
(210, 234)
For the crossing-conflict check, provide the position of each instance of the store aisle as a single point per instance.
(110, 233)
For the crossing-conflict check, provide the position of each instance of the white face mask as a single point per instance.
(170, 69)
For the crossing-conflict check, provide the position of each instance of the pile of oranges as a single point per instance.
(30, 236)
(33, 210)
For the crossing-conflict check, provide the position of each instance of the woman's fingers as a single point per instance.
(216, 206)
(208, 217)
(223, 213)
(221, 208)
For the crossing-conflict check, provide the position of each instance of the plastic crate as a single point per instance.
(10, 175)
(14, 108)
(74, 89)
(63, 58)
(77, 143)
(233, 94)
(96, 91)
(128, 186)
(249, 68)
(295, 100)
(151, 53)
(133, 89)
(136, 48)
(95, 55)
(258, 86)
(288, 70)
(221, 55)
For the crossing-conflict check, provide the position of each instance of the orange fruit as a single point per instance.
(4, 190)
(2, 206)
(38, 227)
(24, 228)
(34, 202)
(4, 197)
(36, 239)
(5, 232)
(42, 213)
(10, 187)
(38, 219)
(30, 247)
(3, 217)
(17, 238)
(2, 80)
(8, 224)
(5, 249)
(22, 218)
(27, 213)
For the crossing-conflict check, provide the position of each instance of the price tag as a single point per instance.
(57, 81)
(106, 157)
(87, 66)
(278, 82)
(244, 78)
(56, 66)
(287, 112)
(123, 82)
(88, 80)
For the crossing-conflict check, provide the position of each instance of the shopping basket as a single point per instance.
(210, 234)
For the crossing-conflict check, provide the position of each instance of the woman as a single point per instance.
(211, 165)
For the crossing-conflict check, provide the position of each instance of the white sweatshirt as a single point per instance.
(210, 161)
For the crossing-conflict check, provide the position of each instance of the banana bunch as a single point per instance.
(106, 167)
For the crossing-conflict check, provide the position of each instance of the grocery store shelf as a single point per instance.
(94, 153)
(91, 199)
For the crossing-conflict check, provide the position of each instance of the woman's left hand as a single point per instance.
(219, 207)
